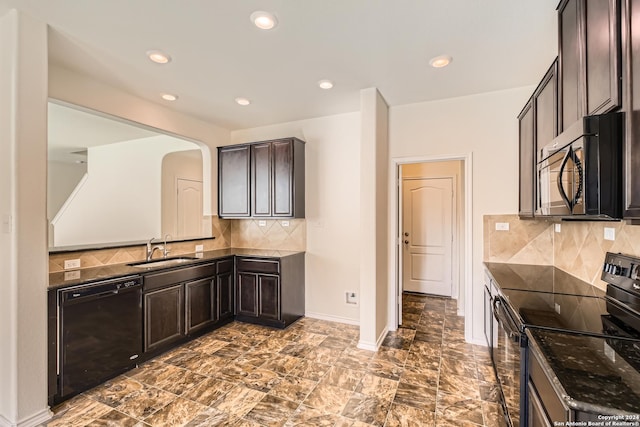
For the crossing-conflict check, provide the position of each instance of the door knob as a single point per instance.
(406, 242)
(406, 234)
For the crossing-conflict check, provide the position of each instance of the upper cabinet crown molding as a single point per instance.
(263, 179)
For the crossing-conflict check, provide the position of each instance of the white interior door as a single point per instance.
(427, 235)
(189, 215)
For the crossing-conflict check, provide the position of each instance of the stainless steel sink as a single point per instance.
(165, 262)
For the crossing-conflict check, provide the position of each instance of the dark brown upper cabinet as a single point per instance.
(589, 59)
(267, 183)
(527, 151)
(538, 125)
(631, 79)
(233, 181)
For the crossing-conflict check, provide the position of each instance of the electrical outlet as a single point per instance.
(70, 264)
(557, 228)
(609, 233)
(285, 223)
(262, 223)
(199, 248)
(71, 275)
(502, 226)
(351, 297)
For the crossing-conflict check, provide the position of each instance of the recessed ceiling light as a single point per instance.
(263, 20)
(243, 101)
(169, 97)
(440, 61)
(325, 84)
(158, 57)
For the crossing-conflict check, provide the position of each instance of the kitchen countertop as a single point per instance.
(539, 278)
(87, 275)
(591, 374)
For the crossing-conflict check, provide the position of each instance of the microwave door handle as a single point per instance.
(578, 163)
(563, 193)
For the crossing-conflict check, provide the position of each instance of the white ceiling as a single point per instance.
(219, 55)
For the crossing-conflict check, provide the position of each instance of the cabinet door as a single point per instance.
(233, 181)
(283, 178)
(164, 317)
(261, 179)
(247, 294)
(225, 295)
(631, 77)
(269, 296)
(571, 73)
(602, 55)
(200, 297)
(545, 104)
(527, 148)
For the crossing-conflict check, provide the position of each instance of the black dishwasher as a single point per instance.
(100, 332)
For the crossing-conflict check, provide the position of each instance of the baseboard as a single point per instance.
(31, 421)
(478, 342)
(374, 346)
(331, 318)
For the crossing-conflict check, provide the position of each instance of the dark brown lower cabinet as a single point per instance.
(163, 317)
(200, 304)
(225, 289)
(269, 297)
(182, 303)
(270, 291)
(247, 294)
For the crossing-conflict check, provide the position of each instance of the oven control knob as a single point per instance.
(633, 272)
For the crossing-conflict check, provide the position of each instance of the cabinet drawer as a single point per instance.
(225, 266)
(259, 265)
(159, 280)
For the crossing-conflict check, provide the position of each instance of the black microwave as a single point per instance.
(580, 171)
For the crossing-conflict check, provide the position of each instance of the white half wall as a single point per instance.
(486, 126)
(332, 195)
(23, 216)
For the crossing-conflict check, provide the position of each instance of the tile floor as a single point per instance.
(311, 374)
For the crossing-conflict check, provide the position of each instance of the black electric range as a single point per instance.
(555, 308)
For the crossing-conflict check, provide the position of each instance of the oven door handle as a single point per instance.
(504, 319)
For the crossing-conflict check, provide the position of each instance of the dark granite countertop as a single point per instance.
(539, 278)
(591, 374)
(87, 275)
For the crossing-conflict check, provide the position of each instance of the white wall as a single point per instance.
(332, 187)
(373, 219)
(486, 126)
(62, 179)
(23, 215)
(120, 199)
(78, 89)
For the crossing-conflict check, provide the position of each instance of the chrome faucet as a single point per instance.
(151, 249)
(165, 249)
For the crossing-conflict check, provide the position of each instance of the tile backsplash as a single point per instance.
(578, 248)
(289, 234)
(246, 233)
(98, 257)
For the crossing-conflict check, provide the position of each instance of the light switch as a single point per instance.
(7, 224)
(557, 227)
(502, 226)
